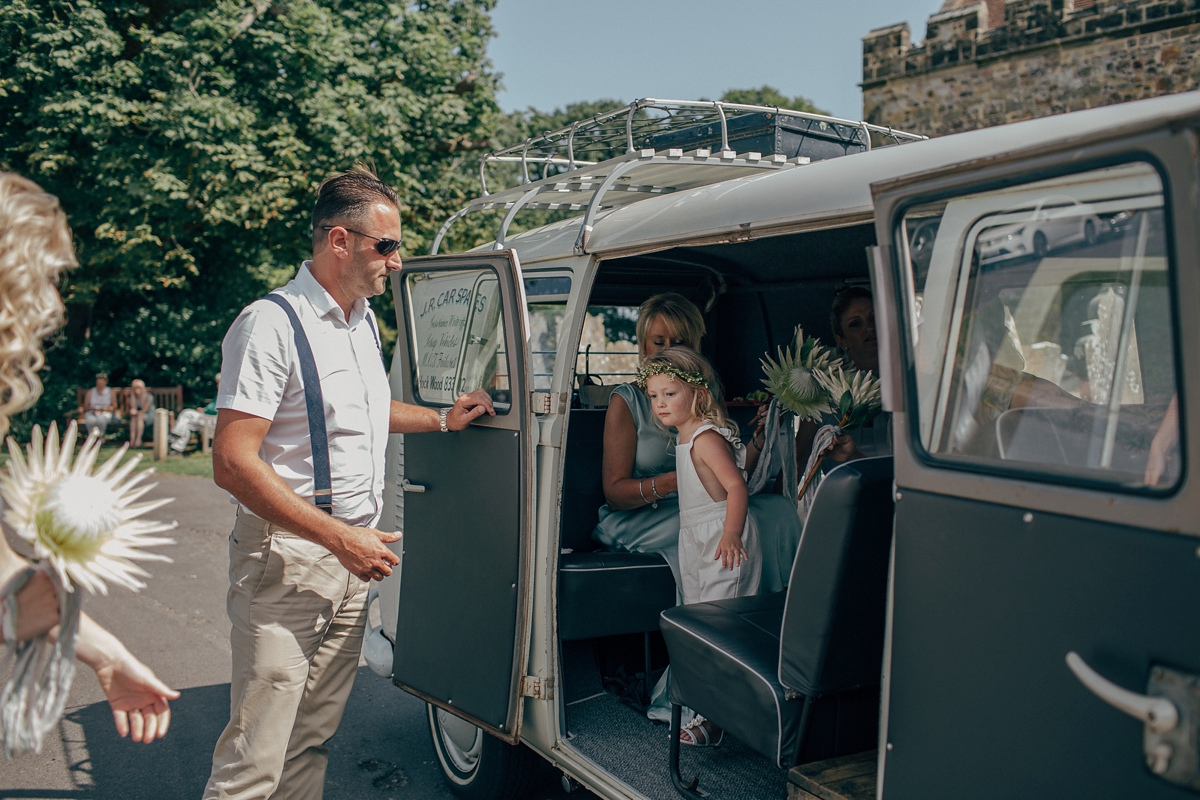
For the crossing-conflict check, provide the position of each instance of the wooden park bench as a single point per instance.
(168, 397)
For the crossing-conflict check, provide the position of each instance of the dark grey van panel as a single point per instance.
(980, 688)
(461, 571)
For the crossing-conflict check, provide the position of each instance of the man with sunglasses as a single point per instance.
(307, 469)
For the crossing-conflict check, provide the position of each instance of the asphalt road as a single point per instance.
(178, 626)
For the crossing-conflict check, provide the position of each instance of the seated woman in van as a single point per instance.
(642, 512)
(852, 318)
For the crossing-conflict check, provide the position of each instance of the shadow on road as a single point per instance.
(176, 766)
(381, 751)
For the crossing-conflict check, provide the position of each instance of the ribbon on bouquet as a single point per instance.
(825, 436)
(778, 453)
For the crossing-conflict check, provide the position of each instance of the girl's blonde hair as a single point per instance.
(35, 247)
(708, 400)
(681, 315)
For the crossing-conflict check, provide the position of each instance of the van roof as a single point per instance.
(825, 193)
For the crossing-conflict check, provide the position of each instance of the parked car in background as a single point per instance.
(1055, 222)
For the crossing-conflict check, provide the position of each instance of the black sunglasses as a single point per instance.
(385, 247)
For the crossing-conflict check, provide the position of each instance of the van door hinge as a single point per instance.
(537, 688)
(543, 402)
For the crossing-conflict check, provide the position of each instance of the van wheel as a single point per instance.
(477, 765)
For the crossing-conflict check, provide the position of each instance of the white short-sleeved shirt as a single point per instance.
(260, 375)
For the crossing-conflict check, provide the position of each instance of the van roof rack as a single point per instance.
(673, 145)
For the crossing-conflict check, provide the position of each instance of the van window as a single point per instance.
(546, 305)
(457, 336)
(1040, 317)
(608, 347)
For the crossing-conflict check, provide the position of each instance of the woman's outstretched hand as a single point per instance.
(137, 697)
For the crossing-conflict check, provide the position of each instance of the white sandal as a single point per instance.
(697, 734)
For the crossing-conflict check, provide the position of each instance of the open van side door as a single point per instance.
(1044, 614)
(462, 631)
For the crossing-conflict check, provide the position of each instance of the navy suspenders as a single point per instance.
(315, 402)
(322, 482)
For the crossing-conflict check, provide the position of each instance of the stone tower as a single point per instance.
(989, 62)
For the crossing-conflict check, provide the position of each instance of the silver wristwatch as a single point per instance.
(442, 415)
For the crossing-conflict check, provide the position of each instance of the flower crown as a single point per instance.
(658, 368)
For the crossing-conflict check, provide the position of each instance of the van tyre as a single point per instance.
(477, 765)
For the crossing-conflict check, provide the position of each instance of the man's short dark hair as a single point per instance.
(345, 197)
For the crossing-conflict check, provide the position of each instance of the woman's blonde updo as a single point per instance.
(681, 315)
(35, 247)
(708, 401)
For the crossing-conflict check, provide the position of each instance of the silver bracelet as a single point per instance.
(442, 424)
(652, 504)
(654, 491)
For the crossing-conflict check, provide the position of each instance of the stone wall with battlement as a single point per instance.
(1044, 57)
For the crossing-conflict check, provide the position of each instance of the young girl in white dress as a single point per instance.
(719, 552)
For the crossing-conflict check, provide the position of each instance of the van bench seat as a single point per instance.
(601, 593)
(820, 643)
(605, 594)
(736, 644)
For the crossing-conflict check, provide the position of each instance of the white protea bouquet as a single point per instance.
(856, 397)
(793, 378)
(855, 400)
(809, 381)
(84, 524)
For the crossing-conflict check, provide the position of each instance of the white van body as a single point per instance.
(795, 200)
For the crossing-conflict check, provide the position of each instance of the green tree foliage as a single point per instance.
(186, 139)
(770, 96)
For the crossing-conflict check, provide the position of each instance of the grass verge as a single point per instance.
(194, 464)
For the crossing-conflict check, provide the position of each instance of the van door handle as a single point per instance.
(1158, 713)
(411, 487)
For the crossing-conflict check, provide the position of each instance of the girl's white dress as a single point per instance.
(701, 525)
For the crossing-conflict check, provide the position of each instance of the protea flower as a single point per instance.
(85, 525)
(793, 378)
(855, 398)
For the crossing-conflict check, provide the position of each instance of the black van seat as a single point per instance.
(601, 593)
(757, 666)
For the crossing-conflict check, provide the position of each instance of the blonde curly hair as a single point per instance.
(35, 247)
(708, 401)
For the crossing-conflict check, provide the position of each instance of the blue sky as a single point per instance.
(553, 52)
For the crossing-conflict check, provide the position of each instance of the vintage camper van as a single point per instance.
(1009, 605)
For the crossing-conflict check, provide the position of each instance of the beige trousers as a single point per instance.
(298, 619)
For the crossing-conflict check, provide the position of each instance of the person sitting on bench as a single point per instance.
(141, 411)
(193, 419)
(99, 406)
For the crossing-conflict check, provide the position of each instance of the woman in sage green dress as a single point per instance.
(642, 512)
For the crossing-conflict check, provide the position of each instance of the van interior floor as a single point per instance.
(623, 741)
